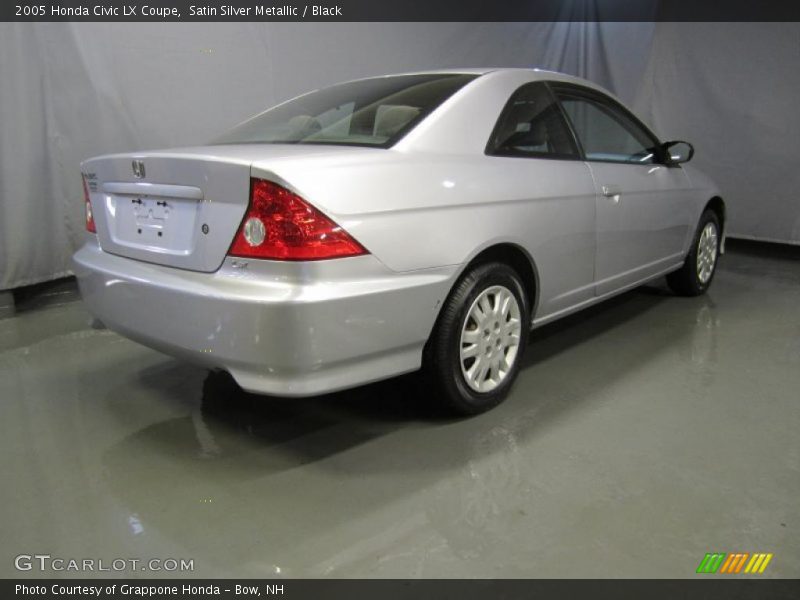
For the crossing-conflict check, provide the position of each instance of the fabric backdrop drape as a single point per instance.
(69, 91)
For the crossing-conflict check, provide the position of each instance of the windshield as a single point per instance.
(370, 112)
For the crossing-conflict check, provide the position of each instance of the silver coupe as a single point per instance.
(376, 227)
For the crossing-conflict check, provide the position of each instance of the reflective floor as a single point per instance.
(640, 435)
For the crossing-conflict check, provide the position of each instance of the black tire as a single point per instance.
(442, 360)
(687, 281)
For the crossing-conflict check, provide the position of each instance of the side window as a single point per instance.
(532, 125)
(607, 133)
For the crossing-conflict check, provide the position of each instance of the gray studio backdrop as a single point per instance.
(70, 91)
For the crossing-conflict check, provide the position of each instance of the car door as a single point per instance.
(534, 148)
(643, 204)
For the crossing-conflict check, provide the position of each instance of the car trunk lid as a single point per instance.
(179, 208)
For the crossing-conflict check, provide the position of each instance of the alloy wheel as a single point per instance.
(490, 338)
(707, 253)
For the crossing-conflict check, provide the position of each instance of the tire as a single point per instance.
(695, 276)
(494, 348)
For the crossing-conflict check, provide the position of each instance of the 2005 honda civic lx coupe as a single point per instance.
(380, 226)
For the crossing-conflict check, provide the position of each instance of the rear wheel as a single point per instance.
(697, 272)
(474, 352)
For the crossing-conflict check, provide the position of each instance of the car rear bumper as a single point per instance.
(288, 329)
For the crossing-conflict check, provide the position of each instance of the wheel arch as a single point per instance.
(509, 253)
(717, 204)
(513, 255)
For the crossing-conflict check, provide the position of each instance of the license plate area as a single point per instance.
(155, 223)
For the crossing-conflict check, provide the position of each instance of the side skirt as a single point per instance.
(538, 322)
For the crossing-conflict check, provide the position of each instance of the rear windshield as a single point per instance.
(370, 112)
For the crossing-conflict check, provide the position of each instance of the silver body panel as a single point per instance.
(423, 209)
(278, 329)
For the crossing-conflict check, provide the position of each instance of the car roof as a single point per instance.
(535, 71)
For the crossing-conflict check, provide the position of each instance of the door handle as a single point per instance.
(609, 191)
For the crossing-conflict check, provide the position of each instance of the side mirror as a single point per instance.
(677, 152)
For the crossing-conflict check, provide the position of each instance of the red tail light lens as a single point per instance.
(90, 227)
(280, 225)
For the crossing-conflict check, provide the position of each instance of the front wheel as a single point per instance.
(697, 272)
(474, 352)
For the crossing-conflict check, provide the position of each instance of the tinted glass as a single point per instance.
(371, 112)
(532, 125)
(606, 133)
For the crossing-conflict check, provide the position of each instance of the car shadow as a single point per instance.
(283, 433)
(306, 430)
(236, 465)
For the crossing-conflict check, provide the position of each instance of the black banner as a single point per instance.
(403, 10)
(711, 588)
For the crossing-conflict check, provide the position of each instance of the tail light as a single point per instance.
(90, 227)
(280, 225)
